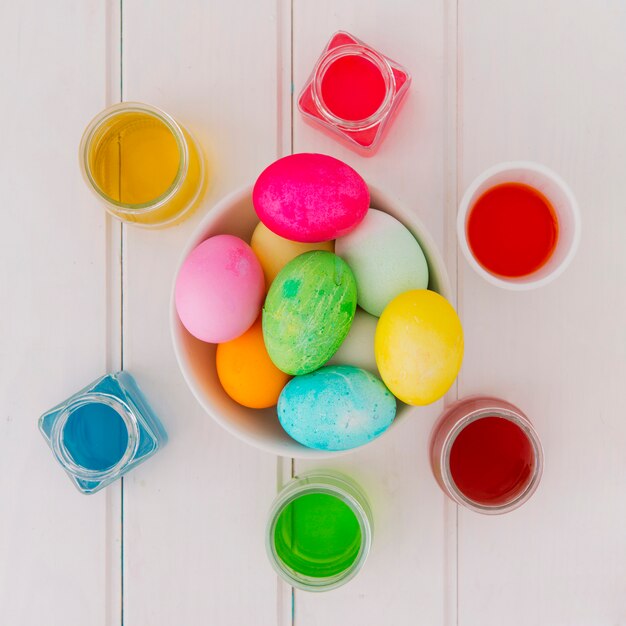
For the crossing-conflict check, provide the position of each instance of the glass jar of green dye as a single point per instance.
(319, 531)
(102, 431)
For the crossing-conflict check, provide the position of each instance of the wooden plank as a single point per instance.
(194, 516)
(406, 578)
(114, 609)
(545, 82)
(57, 547)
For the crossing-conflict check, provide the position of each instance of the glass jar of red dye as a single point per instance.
(354, 92)
(486, 455)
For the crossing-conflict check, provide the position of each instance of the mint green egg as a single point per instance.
(308, 311)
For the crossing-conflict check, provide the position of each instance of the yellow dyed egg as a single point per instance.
(274, 251)
(419, 346)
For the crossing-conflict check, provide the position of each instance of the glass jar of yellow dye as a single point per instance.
(144, 166)
(319, 531)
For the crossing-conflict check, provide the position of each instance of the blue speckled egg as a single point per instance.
(339, 407)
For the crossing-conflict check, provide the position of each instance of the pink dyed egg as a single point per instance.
(310, 198)
(219, 289)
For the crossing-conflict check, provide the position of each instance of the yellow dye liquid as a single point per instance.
(135, 159)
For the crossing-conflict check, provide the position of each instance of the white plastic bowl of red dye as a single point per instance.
(235, 215)
(562, 202)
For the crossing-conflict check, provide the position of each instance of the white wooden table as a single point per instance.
(180, 542)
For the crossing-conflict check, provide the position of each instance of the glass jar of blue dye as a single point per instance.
(102, 431)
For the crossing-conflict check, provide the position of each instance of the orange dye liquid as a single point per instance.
(136, 160)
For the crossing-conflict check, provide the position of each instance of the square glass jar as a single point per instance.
(102, 431)
(354, 92)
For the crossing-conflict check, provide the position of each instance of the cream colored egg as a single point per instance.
(358, 347)
(274, 251)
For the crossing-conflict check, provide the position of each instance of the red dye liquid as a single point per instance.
(512, 230)
(491, 461)
(353, 88)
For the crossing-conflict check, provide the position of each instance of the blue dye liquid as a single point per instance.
(95, 436)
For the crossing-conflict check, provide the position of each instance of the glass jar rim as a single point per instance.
(321, 483)
(353, 49)
(62, 453)
(524, 424)
(181, 143)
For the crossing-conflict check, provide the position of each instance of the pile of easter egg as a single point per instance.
(329, 297)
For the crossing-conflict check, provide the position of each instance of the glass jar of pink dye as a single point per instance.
(354, 92)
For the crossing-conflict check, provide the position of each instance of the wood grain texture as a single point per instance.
(545, 82)
(194, 517)
(493, 81)
(56, 566)
(405, 580)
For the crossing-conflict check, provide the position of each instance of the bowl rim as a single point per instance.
(198, 235)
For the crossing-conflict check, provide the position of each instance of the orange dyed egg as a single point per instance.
(246, 371)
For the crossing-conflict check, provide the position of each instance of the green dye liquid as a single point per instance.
(317, 535)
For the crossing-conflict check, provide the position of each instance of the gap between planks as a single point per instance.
(114, 539)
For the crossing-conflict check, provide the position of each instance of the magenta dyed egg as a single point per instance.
(310, 198)
(219, 289)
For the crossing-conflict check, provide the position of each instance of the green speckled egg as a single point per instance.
(308, 311)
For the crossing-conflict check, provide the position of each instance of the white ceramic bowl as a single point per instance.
(235, 215)
(560, 196)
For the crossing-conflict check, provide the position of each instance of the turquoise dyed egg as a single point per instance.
(338, 407)
(308, 311)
